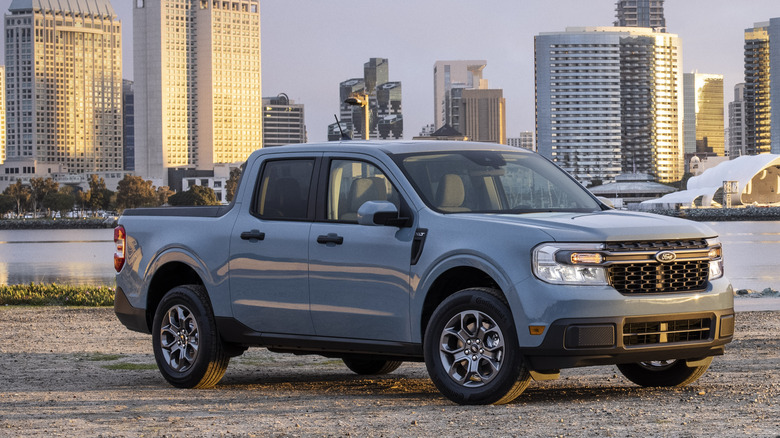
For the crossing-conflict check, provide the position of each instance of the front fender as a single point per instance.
(424, 281)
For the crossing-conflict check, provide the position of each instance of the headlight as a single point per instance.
(715, 255)
(569, 264)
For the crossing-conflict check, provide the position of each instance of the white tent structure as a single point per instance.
(757, 180)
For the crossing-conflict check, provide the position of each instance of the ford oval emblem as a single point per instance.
(666, 256)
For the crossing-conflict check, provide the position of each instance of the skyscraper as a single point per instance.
(703, 118)
(384, 104)
(283, 121)
(483, 115)
(640, 13)
(64, 88)
(2, 114)
(609, 101)
(762, 88)
(128, 130)
(453, 74)
(197, 84)
(737, 122)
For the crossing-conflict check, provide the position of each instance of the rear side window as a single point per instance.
(284, 189)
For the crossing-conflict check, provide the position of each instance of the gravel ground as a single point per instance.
(79, 372)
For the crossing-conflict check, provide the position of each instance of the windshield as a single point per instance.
(493, 182)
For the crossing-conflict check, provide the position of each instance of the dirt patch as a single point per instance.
(79, 372)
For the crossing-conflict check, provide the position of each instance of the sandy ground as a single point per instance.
(79, 372)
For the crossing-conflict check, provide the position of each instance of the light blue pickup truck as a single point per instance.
(487, 262)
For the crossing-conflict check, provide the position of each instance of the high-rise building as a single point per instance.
(483, 115)
(283, 121)
(609, 101)
(2, 114)
(197, 84)
(384, 104)
(128, 129)
(703, 117)
(63, 83)
(762, 88)
(737, 132)
(525, 140)
(453, 74)
(640, 13)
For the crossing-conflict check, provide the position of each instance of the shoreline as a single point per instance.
(721, 214)
(57, 224)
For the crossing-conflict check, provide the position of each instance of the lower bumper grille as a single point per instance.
(666, 332)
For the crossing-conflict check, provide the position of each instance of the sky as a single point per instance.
(310, 46)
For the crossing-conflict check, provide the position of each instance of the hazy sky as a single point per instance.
(310, 46)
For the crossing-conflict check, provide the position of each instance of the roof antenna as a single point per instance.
(343, 135)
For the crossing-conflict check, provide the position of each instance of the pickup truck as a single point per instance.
(488, 263)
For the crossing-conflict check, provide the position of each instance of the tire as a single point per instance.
(187, 347)
(493, 371)
(665, 373)
(369, 367)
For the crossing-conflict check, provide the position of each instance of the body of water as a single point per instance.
(85, 257)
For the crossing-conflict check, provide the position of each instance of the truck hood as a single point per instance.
(605, 226)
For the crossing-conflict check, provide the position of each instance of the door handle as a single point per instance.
(253, 235)
(330, 238)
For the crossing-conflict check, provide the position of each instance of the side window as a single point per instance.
(351, 184)
(283, 192)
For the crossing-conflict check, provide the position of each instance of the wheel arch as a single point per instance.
(456, 275)
(171, 269)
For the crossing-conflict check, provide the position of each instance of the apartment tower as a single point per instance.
(198, 93)
(609, 101)
(640, 13)
(63, 85)
(762, 88)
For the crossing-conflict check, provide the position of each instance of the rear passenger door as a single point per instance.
(358, 274)
(269, 283)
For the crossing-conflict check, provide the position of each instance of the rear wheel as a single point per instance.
(371, 366)
(672, 372)
(471, 349)
(187, 347)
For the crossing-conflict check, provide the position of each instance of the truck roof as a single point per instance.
(392, 147)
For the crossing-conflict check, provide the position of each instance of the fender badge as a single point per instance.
(666, 256)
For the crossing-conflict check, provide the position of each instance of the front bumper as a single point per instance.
(605, 341)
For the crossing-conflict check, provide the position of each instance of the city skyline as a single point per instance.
(320, 48)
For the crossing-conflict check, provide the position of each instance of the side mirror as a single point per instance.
(379, 213)
(606, 201)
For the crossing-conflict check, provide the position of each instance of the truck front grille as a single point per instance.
(654, 277)
(644, 333)
(633, 267)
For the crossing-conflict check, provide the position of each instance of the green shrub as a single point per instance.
(56, 295)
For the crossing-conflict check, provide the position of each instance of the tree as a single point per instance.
(232, 183)
(20, 193)
(59, 201)
(39, 188)
(196, 195)
(134, 192)
(163, 193)
(7, 204)
(98, 197)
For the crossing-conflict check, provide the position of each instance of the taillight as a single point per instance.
(119, 240)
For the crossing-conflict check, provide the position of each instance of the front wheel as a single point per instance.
(664, 372)
(471, 349)
(187, 348)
